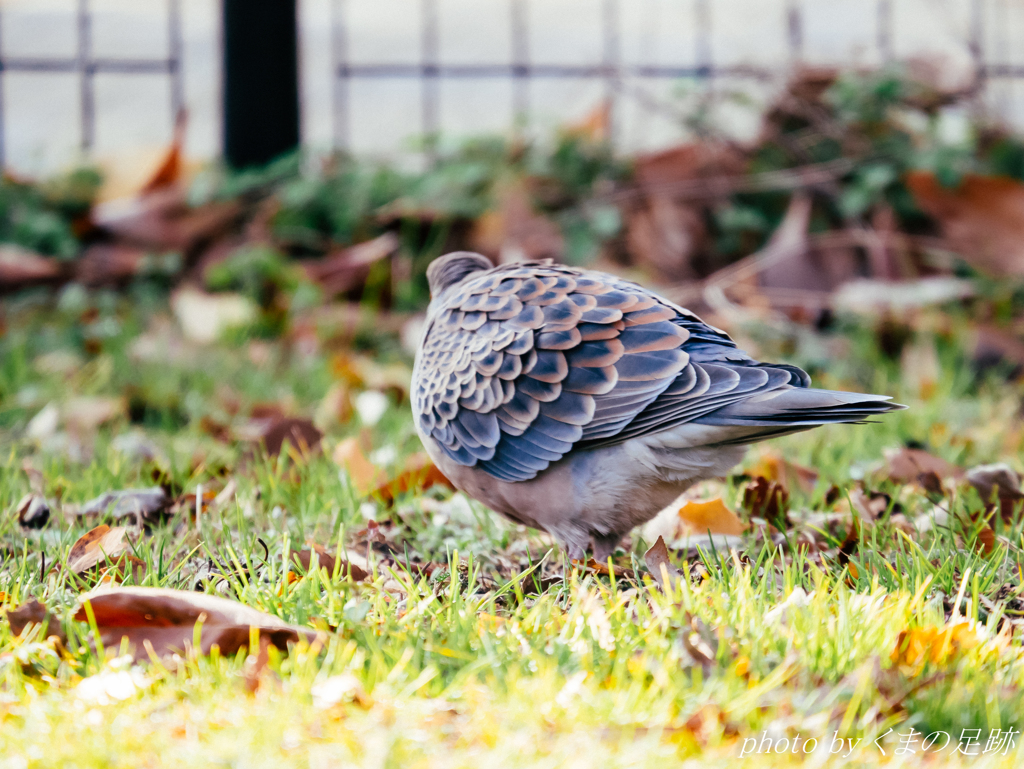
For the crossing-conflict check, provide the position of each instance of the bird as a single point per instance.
(581, 404)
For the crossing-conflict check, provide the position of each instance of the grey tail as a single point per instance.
(790, 410)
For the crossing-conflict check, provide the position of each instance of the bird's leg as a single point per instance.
(604, 546)
(575, 552)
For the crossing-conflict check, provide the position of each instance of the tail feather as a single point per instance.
(793, 409)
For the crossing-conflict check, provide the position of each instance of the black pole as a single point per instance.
(261, 81)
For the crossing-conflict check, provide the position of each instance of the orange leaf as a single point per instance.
(772, 466)
(713, 516)
(934, 645)
(170, 170)
(364, 475)
(419, 473)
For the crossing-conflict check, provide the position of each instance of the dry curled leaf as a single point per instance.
(766, 499)
(344, 568)
(160, 621)
(97, 547)
(918, 466)
(700, 643)
(418, 472)
(998, 484)
(302, 434)
(148, 505)
(660, 566)
(34, 612)
(789, 475)
(33, 511)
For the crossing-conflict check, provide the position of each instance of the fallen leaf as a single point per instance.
(111, 264)
(918, 466)
(766, 499)
(418, 473)
(169, 172)
(998, 484)
(986, 540)
(710, 516)
(771, 465)
(163, 220)
(21, 267)
(917, 646)
(659, 565)
(514, 231)
(348, 269)
(849, 547)
(335, 407)
(149, 505)
(33, 511)
(871, 505)
(85, 414)
(165, 620)
(34, 612)
(304, 558)
(700, 643)
(302, 434)
(350, 456)
(591, 564)
(205, 317)
(97, 547)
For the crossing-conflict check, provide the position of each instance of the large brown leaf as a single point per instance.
(982, 218)
(167, 619)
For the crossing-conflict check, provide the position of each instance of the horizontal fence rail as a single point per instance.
(983, 33)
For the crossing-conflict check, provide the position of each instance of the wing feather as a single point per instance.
(526, 362)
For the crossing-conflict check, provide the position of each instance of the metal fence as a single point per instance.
(986, 39)
(85, 66)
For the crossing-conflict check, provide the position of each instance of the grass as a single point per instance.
(476, 644)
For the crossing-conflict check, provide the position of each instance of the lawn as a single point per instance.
(871, 617)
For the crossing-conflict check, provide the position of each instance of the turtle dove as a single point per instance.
(582, 404)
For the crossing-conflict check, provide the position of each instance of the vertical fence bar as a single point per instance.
(429, 76)
(1001, 55)
(702, 38)
(3, 123)
(977, 49)
(175, 45)
(520, 64)
(85, 73)
(611, 63)
(795, 31)
(340, 76)
(884, 17)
